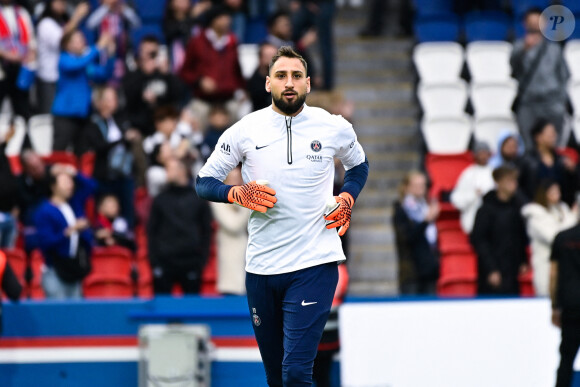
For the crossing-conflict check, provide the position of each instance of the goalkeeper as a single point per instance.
(287, 153)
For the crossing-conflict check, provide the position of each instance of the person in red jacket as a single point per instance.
(211, 67)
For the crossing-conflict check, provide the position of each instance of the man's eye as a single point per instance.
(280, 76)
(297, 75)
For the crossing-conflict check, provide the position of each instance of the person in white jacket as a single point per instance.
(232, 239)
(473, 183)
(545, 217)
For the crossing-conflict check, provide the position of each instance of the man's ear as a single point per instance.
(268, 88)
(308, 85)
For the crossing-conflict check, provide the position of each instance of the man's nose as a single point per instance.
(289, 83)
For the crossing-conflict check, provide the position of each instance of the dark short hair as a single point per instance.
(538, 127)
(165, 112)
(288, 52)
(150, 38)
(66, 38)
(214, 12)
(105, 196)
(273, 18)
(506, 170)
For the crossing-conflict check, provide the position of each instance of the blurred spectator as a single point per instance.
(330, 342)
(16, 40)
(320, 14)
(33, 184)
(212, 68)
(169, 140)
(232, 240)
(236, 8)
(111, 229)
(179, 233)
(280, 33)
(115, 18)
(150, 86)
(8, 197)
(180, 20)
(543, 162)
(499, 236)
(565, 295)
(257, 84)
(110, 136)
(509, 150)
(9, 283)
(474, 182)
(219, 121)
(64, 237)
(545, 217)
(539, 67)
(78, 66)
(416, 236)
(53, 23)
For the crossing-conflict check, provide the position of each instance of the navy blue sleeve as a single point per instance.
(355, 179)
(210, 188)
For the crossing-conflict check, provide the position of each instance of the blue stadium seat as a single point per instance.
(486, 26)
(520, 7)
(150, 10)
(433, 7)
(256, 31)
(144, 30)
(574, 6)
(437, 29)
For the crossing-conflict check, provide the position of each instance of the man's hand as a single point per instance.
(340, 215)
(208, 85)
(257, 197)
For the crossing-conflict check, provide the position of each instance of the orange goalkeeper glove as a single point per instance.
(257, 197)
(339, 214)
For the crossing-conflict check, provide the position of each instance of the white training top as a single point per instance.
(296, 155)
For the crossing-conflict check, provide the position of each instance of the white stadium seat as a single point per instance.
(489, 61)
(493, 99)
(488, 129)
(574, 94)
(40, 130)
(443, 99)
(249, 60)
(572, 57)
(447, 135)
(438, 62)
(15, 145)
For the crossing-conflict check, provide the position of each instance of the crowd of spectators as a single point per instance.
(150, 111)
(514, 199)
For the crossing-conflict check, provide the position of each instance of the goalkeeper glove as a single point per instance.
(257, 197)
(339, 215)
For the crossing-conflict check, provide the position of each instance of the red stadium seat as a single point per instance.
(36, 263)
(444, 170)
(17, 260)
(87, 163)
(454, 242)
(526, 284)
(457, 286)
(107, 286)
(15, 164)
(113, 260)
(145, 277)
(457, 265)
(61, 157)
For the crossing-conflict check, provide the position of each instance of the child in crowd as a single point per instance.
(110, 228)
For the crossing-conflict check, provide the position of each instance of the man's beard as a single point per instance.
(290, 107)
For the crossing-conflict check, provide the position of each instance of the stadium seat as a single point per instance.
(15, 145)
(438, 62)
(457, 264)
(40, 130)
(493, 99)
(17, 260)
(87, 163)
(256, 30)
(457, 285)
(442, 28)
(36, 292)
(107, 286)
(486, 26)
(444, 170)
(150, 11)
(248, 54)
(572, 56)
(454, 242)
(433, 7)
(61, 157)
(144, 286)
(488, 129)
(489, 61)
(113, 260)
(447, 135)
(146, 29)
(573, 5)
(443, 99)
(519, 7)
(527, 284)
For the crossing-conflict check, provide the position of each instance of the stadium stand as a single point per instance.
(443, 99)
(493, 99)
(438, 62)
(489, 61)
(437, 28)
(486, 26)
(447, 135)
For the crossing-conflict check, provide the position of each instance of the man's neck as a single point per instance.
(277, 110)
(503, 196)
(57, 200)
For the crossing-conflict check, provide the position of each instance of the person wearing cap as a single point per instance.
(212, 68)
(474, 182)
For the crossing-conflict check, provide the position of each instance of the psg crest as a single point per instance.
(256, 320)
(316, 146)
